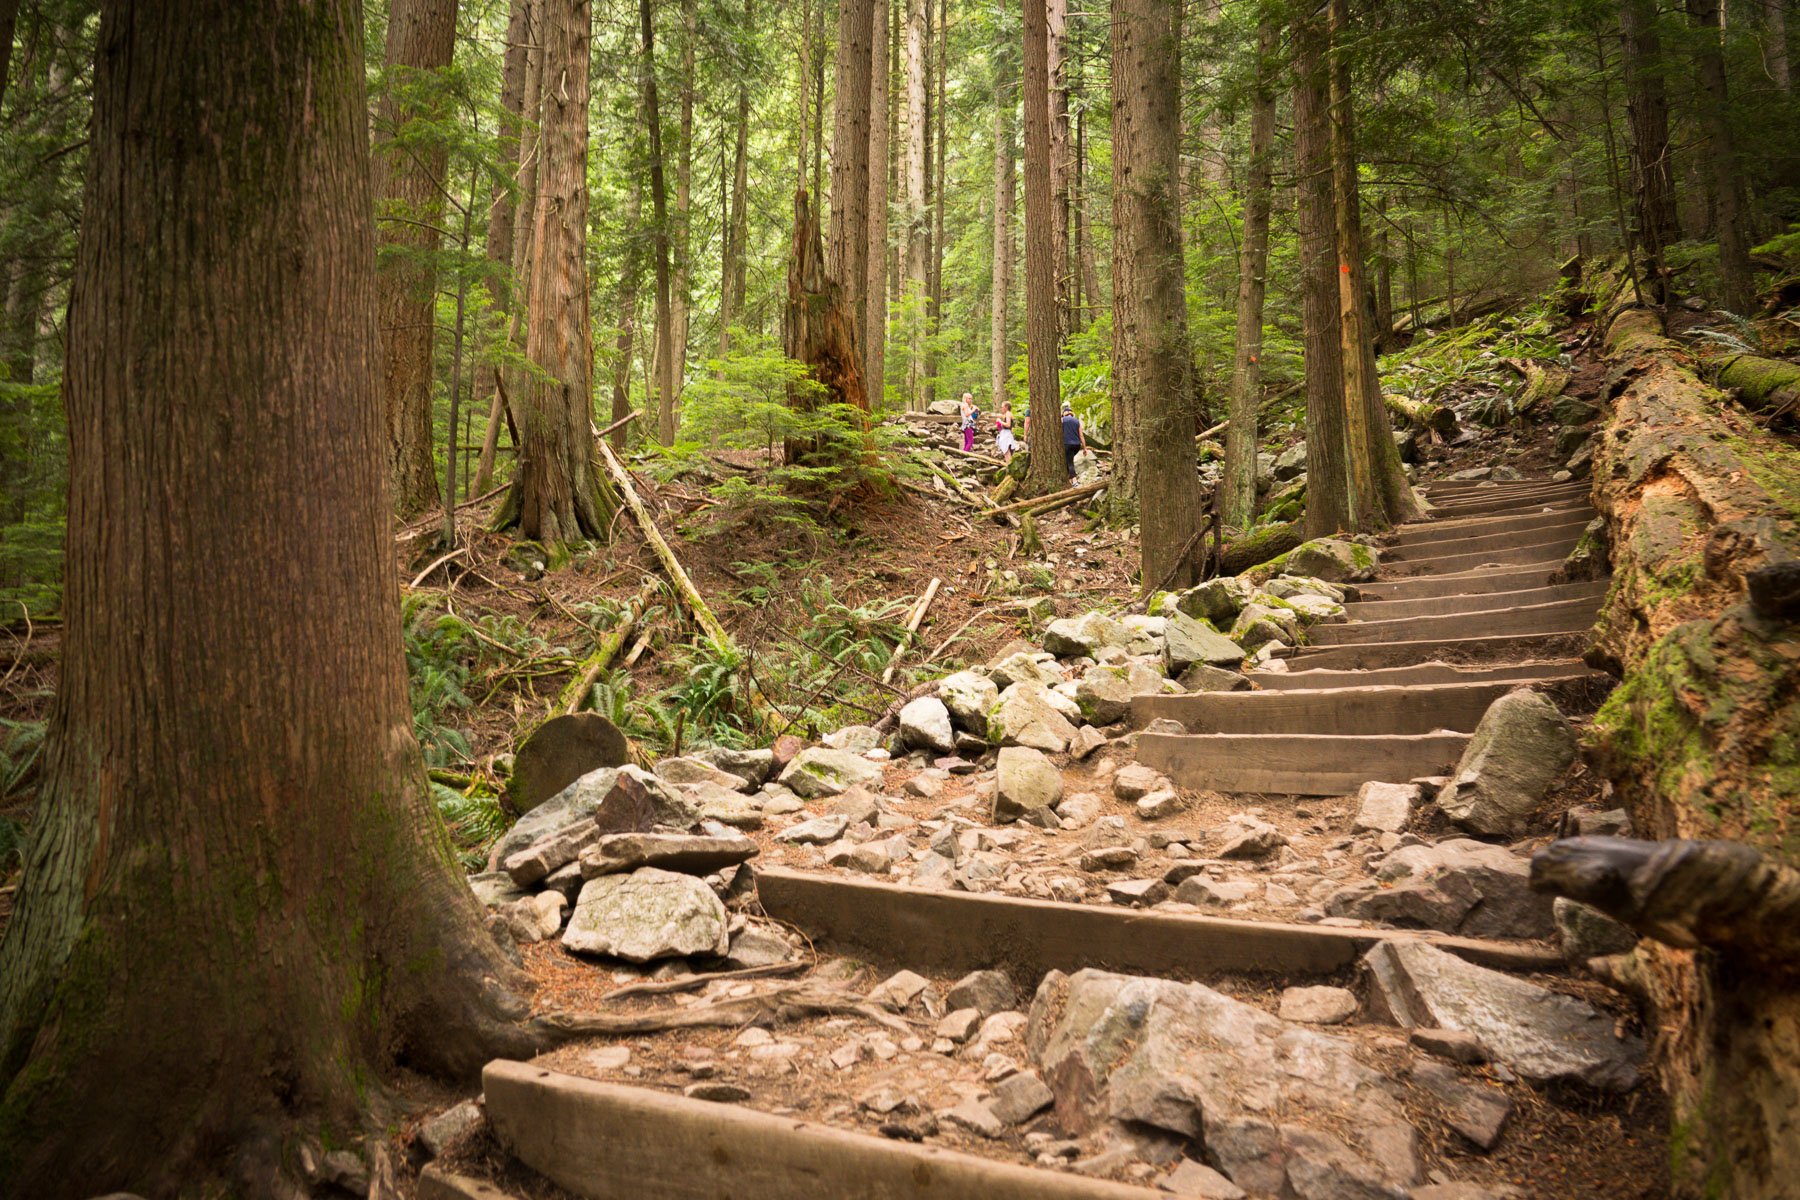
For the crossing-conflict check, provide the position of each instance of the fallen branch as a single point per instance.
(765, 1008)
(956, 633)
(604, 652)
(1764, 384)
(671, 565)
(1046, 503)
(435, 564)
(687, 983)
(1435, 418)
(912, 628)
(973, 500)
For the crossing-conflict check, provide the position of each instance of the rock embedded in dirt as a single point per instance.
(1087, 740)
(561, 751)
(1200, 1181)
(1518, 749)
(1073, 637)
(535, 918)
(647, 915)
(820, 771)
(1478, 1113)
(1135, 780)
(680, 771)
(1545, 1036)
(1104, 692)
(754, 767)
(1586, 932)
(1160, 804)
(691, 854)
(1384, 807)
(758, 946)
(1331, 559)
(1187, 642)
(816, 831)
(899, 991)
(1202, 891)
(1217, 601)
(1198, 677)
(1119, 1051)
(1317, 1005)
(856, 739)
(976, 1117)
(436, 1134)
(925, 725)
(1019, 1097)
(1029, 714)
(987, 992)
(968, 695)
(1108, 858)
(1025, 783)
(718, 1091)
(1457, 886)
(1451, 1045)
(1079, 809)
(1138, 893)
(1250, 837)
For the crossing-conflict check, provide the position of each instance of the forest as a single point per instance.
(899, 597)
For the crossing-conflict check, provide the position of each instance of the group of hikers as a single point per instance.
(1074, 440)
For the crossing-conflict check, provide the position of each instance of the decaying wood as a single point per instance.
(912, 628)
(1765, 385)
(1542, 383)
(783, 1004)
(819, 326)
(1239, 556)
(703, 616)
(1046, 503)
(1438, 419)
(1722, 896)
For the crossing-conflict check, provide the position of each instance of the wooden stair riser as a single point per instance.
(1555, 617)
(1479, 602)
(1471, 650)
(1349, 712)
(1296, 764)
(1428, 673)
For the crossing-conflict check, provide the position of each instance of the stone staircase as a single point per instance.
(1462, 610)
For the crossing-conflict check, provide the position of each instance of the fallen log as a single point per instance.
(912, 629)
(1044, 503)
(605, 651)
(1437, 419)
(684, 587)
(1766, 385)
(1246, 552)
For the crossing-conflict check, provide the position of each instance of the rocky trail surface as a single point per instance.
(1229, 898)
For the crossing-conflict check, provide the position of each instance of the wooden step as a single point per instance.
(1406, 544)
(1480, 602)
(1371, 711)
(1517, 674)
(1555, 617)
(1463, 583)
(1366, 656)
(1458, 486)
(1505, 505)
(1443, 530)
(1406, 564)
(1296, 764)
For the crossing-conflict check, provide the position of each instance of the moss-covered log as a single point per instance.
(1702, 739)
(1259, 547)
(1434, 418)
(1763, 384)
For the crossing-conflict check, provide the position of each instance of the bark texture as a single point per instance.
(1237, 497)
(662, 358)
(875, 290)
(848, 264)
(409, 189)
(1702, 740)
(1647, 104)
(559, 494)
(235, 890)
(819, 326)
(918, 227)
(1730, 208)
(1042, 360)
(1327, 484)
(1153, 413)
(999, 350)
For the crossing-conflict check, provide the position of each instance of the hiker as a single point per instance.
(1004, 441)
(969, 415)
(1074, 442)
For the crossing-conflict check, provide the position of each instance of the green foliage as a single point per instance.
(442, 651)
(475, 820)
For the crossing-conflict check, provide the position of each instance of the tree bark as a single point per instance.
(631, 273)
(9, 15)
(848, 264)
(737, 236)
(934, 308)
(1647, 104)
(662, 375)
(999, 351)
(1153, 394)
(1775, 44)
(558, 495)
(818, 326)
(876, 291)
(1237, 497)
(917, 232)
(229, 520)
(1327, 486)
(409, 186)
(1731, 219)
(1057, 52)
(1042, 357)
(681, 299)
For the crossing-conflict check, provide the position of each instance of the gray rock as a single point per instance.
(1259, 625)
(758, 946)
(899, 990)
(436, 1134)
(1216, 601)
(821, 771)
(722, 804)
(1104, 692)
(1572, 410)
(1317, 1005)
(680, 771)
(925, 725)
(968, 696)
(1198, 677)
(1290, 462)
(1586, 932)
(1545, 1036)
(561, 751)
(647, 915)
(1159, 804)
(1135, 780)
(1451, 1045)
(1478, 1113)
(1315, 609)
(1518, 749)
(572, 805)
(817, 831)
(857, 739)
(1026, 667)
(1028, 714)
(691, 854)
(1459, 886)
(974, 1116)
(1120, 1051)
(1018, 1098)
(988, 992)
(1384, 807)
(538, 860)
(1287, 587)
(1076, 636)
(1146, 634)
(1087, 740)
(535, 918)
(495, 888)
(1247, 837)
(1025, 782)
(1138, 893)
(1332, 559)
(754, 767)
(1199, 890)
(1187, 641)
(1190, 1178)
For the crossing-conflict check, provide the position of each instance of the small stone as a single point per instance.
(960, 1025)
(1025, 782)
(1586, 932)
(1087, 740)
(1136, 780)
(1249, 837)
(1159, 804)
(437, 1134)
(1452, 1045)
(1079, 809)
(1109, 858)
(1384, 807)
(1199, 890)
(1318, 1005)
(976, 1117)
(987, 992)
(927, 787)
(899, 991)
(817, 831)
(1190, 1178)
(1139, 893)
(846, 1055)
(1019, 1097)
(925, 724)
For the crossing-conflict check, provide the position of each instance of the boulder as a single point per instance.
(1217, 601)
(1146, 634)
(1104, 693)
(988, 992)
(1026, 782)
(647, 915)
(679, 771)
(1259, 625)
(816, 831)
(1459, 886)
(821, 771)
(1518, 749)
(1120, 1051)
(1187, 642)
(925, 725)
(571, 806)
(1314, 609)
(1198, 677)
(856, 739)
(1545, 1036)
(1135, 780)
(1587, 932)
(1478, 1113)
(968, 695)
(1331, 559)
(1249, 837)
(754, 767)
(1073, 637)
(689, 853)
(619, 799)
(722, 804)
(1287, 587)
(1384, 807)
(1027, 667)
(559, 752)
(1029, 714)
(1290, 462)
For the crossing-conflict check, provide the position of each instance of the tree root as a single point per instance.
(783, 1004)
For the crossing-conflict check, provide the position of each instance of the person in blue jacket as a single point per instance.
(1073, 440)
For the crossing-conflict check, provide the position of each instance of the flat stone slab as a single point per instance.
(689, 853)
(647, 915)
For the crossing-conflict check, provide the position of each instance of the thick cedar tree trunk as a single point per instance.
(1041, 356)
(737, 236)
(1057, 51)
(1004, 186)
(918, 236)
(934, 310)
(1775, 47)
(1237, 497)
(818, 326)
(235, 885)
(681, 300)
(662, 375)
(525, 154)
(1647, 103)
(875, 292)
(1152, 363)
(849, 259)
(1731, 218)
(1327, 494)
(409, 190)
(559, 494)
(9, 15)
(1391, 500)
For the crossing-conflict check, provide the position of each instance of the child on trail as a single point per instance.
(969, 416)
(1073, 440)
(1004, 441)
